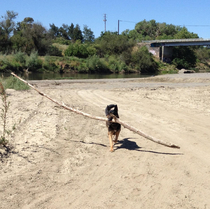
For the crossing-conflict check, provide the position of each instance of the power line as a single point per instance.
(123, 21)
(127, 21)
(198, 25)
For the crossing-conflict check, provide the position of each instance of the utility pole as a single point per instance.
(119, 27)
(105, 22)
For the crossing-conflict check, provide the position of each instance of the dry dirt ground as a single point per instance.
(61, 159)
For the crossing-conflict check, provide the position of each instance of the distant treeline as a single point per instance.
(27, 45)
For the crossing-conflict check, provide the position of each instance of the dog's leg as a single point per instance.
(110, 141)
(116, 137)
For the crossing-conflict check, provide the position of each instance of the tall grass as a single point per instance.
(8, 83)
(4, 110)
(13, 83)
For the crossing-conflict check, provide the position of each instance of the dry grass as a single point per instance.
(61, 47)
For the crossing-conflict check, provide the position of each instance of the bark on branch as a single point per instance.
(125, 125)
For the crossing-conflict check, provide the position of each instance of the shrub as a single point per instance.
(61, 47)
(20, 57)
(91, 50)
(143, 61)
(5, 64)
(169, 69)
(112, 44)
(96, 64)
(116, 66)
(80, 50)
(124, 67)
(83, 68)
(184, 57)
(49, 65)
(54, 51)
(61, 40)
(33, 62)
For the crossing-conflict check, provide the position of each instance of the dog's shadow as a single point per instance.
(127, 144)
(131, 145)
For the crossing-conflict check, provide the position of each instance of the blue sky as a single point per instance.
(194, 14)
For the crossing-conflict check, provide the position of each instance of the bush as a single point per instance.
(143, 61)
(116, 66)
(96, 64)
(83, 68)
(80, 50)
(54, 51)
(112, 44)
(169, 69)
(124, 67)
(49, 64)
(5, 64)
(20, 57)
(33, 62)
(113, 65)
(202, 54)
(184, 57)
(61, 40)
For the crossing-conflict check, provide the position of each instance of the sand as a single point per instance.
(61, 159)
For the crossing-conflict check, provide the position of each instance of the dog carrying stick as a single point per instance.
(100, 118)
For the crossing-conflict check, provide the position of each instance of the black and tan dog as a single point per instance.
(113, 128)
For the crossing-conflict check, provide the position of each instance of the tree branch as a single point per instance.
(100, 118)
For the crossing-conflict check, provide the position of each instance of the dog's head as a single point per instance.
(111, 109)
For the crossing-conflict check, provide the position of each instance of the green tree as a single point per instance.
(184, 33)
(54, 31)
(3, 40)
(203, 54)
(41, 38)
(184, 57)
(133, 35)
(165, 31)
(140, 60)
(63, 31)
(77, 34)
(67, 32)
(143, 61)
(29, 36)
(88, 35)
(7, 23)
(149, 30)
(111, 43)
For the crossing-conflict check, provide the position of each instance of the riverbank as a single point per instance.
(62, 160)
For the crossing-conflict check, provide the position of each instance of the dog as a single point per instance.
(113, 127)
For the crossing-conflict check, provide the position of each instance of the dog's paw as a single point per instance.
(111, 150)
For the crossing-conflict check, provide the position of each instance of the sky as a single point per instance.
(193, 14)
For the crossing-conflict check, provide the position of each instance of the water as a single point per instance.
(58, 76)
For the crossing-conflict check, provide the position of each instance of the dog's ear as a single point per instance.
(116, 108)
(107, 110)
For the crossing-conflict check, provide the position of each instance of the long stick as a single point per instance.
(100, 118)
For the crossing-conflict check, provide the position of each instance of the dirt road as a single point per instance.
(62, 160)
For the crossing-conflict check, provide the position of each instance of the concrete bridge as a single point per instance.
(163, 49)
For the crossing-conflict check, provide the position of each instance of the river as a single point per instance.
(57, 76)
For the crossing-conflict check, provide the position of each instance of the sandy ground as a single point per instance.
(62, 160)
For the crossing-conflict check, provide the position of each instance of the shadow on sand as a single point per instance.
(131, 145)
